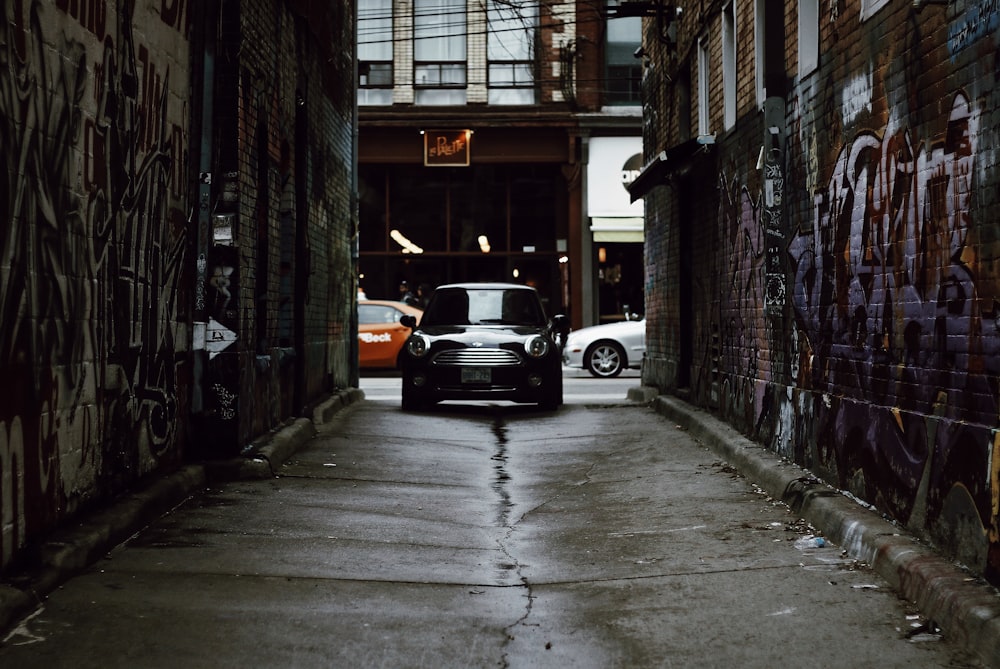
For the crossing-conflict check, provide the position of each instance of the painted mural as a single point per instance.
(899, 317)
(893, 360)
(92, 345)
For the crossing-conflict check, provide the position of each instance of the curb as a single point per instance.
(71, 550)
(966, 609)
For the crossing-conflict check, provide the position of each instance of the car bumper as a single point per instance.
(572, 358)
(516, 384)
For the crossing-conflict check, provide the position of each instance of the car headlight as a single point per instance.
(418, 346)
(536, 346)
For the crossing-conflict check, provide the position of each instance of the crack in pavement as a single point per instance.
(501, 485)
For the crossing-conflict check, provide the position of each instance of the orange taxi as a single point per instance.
(380, 334)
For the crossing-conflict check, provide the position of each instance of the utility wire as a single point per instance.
(457, 25)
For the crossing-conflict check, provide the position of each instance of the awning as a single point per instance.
(619, 229)
(675, 159)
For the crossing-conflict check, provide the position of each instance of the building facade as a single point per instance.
(176, 277)
(488, 135)
(821, 271)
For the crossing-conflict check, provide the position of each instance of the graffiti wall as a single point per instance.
(883, 372)
(896, 307)
(824, 273)
(94, 338)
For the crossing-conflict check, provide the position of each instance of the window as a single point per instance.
(623, 72)
(729, 65)
(760, 56)
(439, 52)
(808, 36)
(871, 7)
(704, 72)
(510, 49)
(375, 74)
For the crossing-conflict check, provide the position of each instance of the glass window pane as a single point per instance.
(374, 96)
(624, 36)
(523, 74)
(511, 30)
(418, 210)
(624, 84)
(375, 30)
(439, 30)
(439, 74)
(511, 96)
(533, 209)
(375, 75)
(439, 96)
(453, 74)
(479, 210)
(501, 74)
(371, 208)
(426, 75)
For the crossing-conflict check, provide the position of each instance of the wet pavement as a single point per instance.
(606, 534)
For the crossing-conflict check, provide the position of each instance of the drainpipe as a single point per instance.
(355, 375)
(204, 223)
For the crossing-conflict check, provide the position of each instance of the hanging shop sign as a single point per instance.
(614, 164)
(446, 148)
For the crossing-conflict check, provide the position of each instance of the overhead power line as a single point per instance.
(455, 24)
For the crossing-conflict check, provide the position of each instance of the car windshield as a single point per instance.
(484, 306)
(371, 314)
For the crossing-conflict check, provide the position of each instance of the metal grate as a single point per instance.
(486, 357)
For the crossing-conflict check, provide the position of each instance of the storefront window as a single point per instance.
(479, 210)
(533, 209)
(371, 203)
(418, 210)
(449, 224)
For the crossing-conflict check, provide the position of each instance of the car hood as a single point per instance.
(609, 329)
(492, 335)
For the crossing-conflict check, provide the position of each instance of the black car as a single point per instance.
(487, 341)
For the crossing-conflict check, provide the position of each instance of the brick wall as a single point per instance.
(157, 309)
(875, 364)
(284, 122)
(95, 281)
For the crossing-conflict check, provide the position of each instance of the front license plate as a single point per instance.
(476, 375)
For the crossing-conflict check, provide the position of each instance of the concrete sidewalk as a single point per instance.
(71, 550)
(966, 609)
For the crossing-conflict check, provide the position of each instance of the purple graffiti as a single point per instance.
(900, 341)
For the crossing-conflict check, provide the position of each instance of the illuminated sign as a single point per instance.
(446, 148)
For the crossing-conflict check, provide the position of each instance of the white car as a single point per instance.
(605, 350)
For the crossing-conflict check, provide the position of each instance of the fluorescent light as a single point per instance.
(408, 246)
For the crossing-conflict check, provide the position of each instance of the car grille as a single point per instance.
(486, 357)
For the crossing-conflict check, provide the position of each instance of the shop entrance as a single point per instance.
(620, 272)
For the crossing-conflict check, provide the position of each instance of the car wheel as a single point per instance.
(605, 359)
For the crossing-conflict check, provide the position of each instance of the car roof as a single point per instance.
(402, 306)
(486, 285)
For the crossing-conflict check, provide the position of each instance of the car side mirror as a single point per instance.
(560, 325)
(408, 321)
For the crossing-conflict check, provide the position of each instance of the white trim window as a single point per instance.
(439, 52)
(760, 56)
(808, 36)
(510, 47)
(622, 71)
(704, 87)
(375, 71)
(870, 8)
(729, 88)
